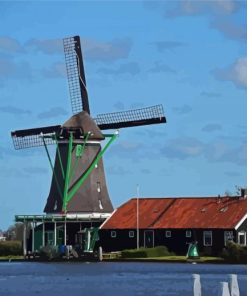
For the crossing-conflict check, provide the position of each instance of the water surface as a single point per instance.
(106, 279)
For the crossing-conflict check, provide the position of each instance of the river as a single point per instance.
(114, 278)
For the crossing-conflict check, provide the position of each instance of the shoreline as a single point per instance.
(202, 260)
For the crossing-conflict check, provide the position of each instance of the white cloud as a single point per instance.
(10, 45)
(237, 72)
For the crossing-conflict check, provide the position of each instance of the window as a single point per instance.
(98, 187)
(49, 238)
(207, 238)
(113, 233)
(131, 233)
(242, 238)
(188, 233)
(228, 236)
(168, 233)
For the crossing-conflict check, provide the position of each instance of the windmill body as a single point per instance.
(93, 196)
(78, 192)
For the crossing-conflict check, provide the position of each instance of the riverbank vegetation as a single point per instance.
(160, 251)
(10, 248)
(235, 253)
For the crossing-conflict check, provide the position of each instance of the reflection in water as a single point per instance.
(141, 279)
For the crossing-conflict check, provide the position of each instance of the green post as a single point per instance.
(79, 183)
(79, 155)
(52, 168)
(59, 157)
(67, 177)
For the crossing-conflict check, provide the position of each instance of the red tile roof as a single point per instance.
(186, 212)
(150, 209)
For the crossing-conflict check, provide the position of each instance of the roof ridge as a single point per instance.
(187, 197)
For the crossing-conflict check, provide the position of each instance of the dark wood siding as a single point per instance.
(178, 242)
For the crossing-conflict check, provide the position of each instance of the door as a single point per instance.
(148, 238)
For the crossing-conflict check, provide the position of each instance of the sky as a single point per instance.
(190, 56)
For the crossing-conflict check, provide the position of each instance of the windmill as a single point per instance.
(78, 182)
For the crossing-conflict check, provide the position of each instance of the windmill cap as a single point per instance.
(85, 122)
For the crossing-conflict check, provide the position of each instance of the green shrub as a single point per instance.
(159, 251)
(10, 248)
(235, 253)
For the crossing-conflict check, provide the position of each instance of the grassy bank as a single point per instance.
(156, 254)
(182, 259)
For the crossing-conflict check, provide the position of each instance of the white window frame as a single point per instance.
(131, 233)
(228, 236)
(188, 233)
(206, 232)
(168, 233)
(113, 233)
(239, 234)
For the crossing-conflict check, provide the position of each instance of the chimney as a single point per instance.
(243, 192)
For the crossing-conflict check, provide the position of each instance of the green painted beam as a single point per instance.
(83, 178)
(67, 176)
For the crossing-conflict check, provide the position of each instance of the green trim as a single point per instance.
(56, 218)
(68, 168)
(78, 157)
(59, 157)
(83, 178)
(52, 168)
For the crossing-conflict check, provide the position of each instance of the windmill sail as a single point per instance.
(31, 137)
(76, 74)
(130, 118)
(78, 179)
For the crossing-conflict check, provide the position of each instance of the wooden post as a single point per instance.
(55, 233)
(24, 239)
(100, 254)
(137, 217)
(197, 285)
(33, 237)
(65, 232)
(234, 289)
(224, 289)
(43, 234)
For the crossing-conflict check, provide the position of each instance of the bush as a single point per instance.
(159, 251)
(10, 248)
(235, 253)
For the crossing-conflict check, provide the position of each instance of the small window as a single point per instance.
(113, 233)
(131, 233)
(207, 238)
(242, 238)
(98, 187)
(168, 233)
(228, 236)
(188, 233)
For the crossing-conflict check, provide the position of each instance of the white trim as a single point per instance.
(110, 215)
(244, 234)
(204, 232)
(226, 238)
(168, 235)
(145, 236)
(188, 232)
(241, 221)
(132, 233)
(88, 215)
(81, 141)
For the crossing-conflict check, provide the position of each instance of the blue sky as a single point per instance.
(189, 56)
